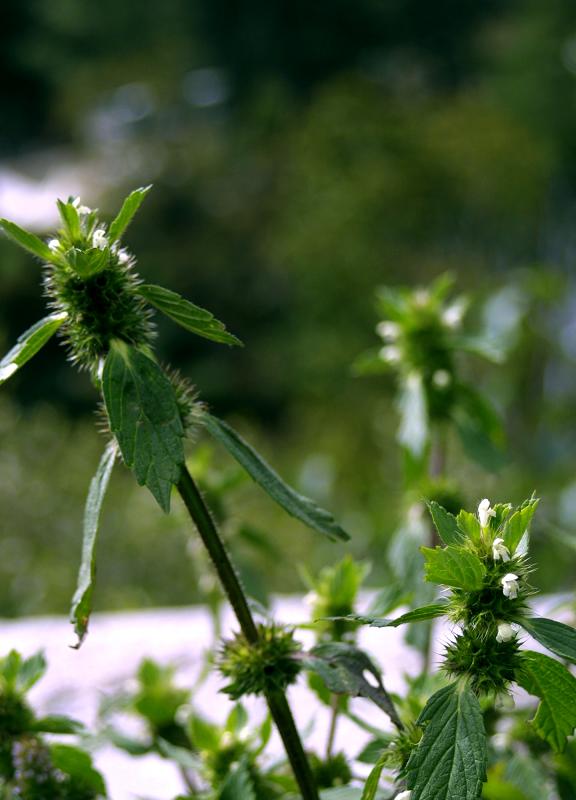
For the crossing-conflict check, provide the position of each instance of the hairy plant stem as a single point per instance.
(277, 702)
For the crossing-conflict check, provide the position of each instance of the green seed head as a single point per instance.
(490, 665)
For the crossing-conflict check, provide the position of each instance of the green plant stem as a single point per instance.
(335, 713)
(277, 703)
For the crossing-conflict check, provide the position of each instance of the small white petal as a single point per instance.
(453, 315)
(53, 244)
(99, 239)
(505, 632)
(388, 330)
(510, 585)
(500, 551)
(485, 512)
(441, 378)
(8, 370)
(390, 354)
(404, 796)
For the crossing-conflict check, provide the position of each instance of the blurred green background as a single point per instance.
(302, 155)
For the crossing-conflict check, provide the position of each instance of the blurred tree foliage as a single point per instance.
(303, 154)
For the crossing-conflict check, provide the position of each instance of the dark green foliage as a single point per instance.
(268, 665)
(331, 771)
(490, 665)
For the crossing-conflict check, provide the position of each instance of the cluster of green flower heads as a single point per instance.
(267, 665)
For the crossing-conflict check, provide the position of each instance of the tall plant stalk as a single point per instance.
(277, 702)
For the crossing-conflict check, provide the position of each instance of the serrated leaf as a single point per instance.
(469, 525)
(450, 760)
(413, 430)
(144, 418)
(189, 316)
(82, 600)
(454, 566)
(555, 636)
(27, 240)
(549, 680)
(517, 525)
(129, 208)
(293, 503)
(343, 669)
(416, 615)
(445, 523)
(29, 343)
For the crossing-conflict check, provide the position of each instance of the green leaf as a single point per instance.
(454, 566)
(549, 680)
(450, 760)
(416, 615)
(144, 418)
(28, 671)
(129, 207)
(413, 431)
(480, 429)
(78, 765)
(189, 316)
(529, 775)
(27, 240)
(557, 637)
(469, 525)
(373, 779)
(293, 503)
(343, 669)
(238, 785)
(182, 756)
(29, 343)
(55, 723)
(82, 600)
(517, 525)
(445, 523)
(71, 220)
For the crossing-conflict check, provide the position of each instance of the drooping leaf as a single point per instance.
(82, 600)
(557, 637)
(144, 418)
(293, 503)
(413, 430)
(29, 343)
(55, 723)
(129, 208)
(450, 760)
(343, 669)
(238, 786)
(27, 240)
(445, 523)
(416, 615)
(517, 525)
(189, 316)
(549, 680)
(454, 566)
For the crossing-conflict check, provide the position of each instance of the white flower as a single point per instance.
(99, 239)
(485, 512)
(505, 632)
(123, 256)
(441, 378)
(388, 330)
(79, 208)
(500, 551)
(53, 244)
(453, 315)
(390, 354)
(404, 796)
(510, 585)
(8, 370)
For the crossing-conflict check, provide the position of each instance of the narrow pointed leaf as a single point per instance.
(450, 760)
(71, 220)
(82, 600)
(454, 566)
(27, 240)
(144, 418)
(129, 208)
(445, 523)
(373, 780)
(557, 637)
(416, 615)
(55, 723)
(29, 344)
(517, 525)
(293, 503)
(549, 680)
(191, 317)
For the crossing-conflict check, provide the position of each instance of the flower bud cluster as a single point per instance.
(486, 648)
(257, 668)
